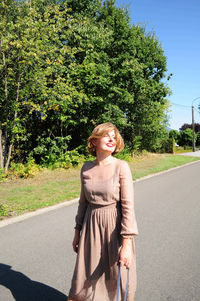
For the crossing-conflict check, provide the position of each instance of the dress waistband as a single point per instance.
(93, 206)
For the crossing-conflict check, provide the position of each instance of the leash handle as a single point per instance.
(118, 283)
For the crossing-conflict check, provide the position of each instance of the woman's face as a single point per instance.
(107, 143)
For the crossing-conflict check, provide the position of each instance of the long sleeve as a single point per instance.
(82, 206)
(128, 221)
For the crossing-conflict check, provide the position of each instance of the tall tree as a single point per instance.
(189, 126)
(67, 66)
(119, 68)
(35, 61)
(134, 96)
(9, 81)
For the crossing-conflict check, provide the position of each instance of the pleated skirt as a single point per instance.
(96, 268)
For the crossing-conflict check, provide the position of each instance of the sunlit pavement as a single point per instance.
(37, 260)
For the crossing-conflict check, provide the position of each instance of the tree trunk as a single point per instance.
(1, 150)
(4, 147)
(8, 159)
(10, 147)
(14, 122)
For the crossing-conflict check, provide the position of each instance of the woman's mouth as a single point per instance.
(110, 144)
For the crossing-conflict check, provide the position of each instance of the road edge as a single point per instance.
(40, 211)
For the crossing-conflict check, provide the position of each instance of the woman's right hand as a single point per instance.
(76, 239)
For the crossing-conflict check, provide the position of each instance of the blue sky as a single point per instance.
(177, 27)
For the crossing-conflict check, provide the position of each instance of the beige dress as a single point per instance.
(105, 215)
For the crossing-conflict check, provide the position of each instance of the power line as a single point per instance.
(188, 107)
(177, 104)
(196, 110)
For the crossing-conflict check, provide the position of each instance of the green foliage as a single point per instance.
(198, 139)
(168, 146)
(174, 134)
(3, 210)
(120, 71)
(35, 66)
(67, 160)
(186, 137)
(83, 7)
(137, 143)
(66, 66)
(183, 149)
(125, 154)
(3, 176)
(50, 150)
(29, 169)
(54, 153)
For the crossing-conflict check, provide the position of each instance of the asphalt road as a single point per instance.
(36, 258)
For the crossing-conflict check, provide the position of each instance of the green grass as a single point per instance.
(158, 163)
(51, 187)
(185, 149)
(45, 189)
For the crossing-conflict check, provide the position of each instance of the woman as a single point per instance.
(105, 222)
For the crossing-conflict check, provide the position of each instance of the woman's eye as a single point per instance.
(109, 136)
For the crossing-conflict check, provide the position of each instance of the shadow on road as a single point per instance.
(25, 289)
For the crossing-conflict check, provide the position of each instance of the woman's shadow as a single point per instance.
(25, 289)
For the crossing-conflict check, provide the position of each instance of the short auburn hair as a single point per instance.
(100, 131)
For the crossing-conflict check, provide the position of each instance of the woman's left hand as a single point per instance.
(125, 255)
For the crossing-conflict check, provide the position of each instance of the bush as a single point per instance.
(174, 134)
(3, 210)
(168, 146)
(186, 137)
(26, 170)
(125, 154)
(2, 175)
(50, 151)
(198, 139)
(67, 160)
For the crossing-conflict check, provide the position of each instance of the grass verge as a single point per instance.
(51, 187)
(154, 163)
(187, 149)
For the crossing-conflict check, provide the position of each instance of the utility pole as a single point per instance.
(193, 132)
(193, 137)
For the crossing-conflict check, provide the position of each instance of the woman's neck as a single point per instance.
(103, 159)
